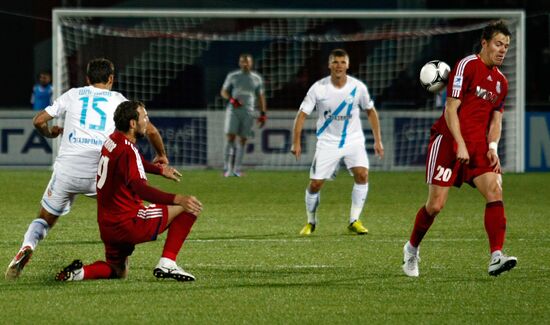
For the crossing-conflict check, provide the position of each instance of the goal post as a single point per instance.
(175, 61)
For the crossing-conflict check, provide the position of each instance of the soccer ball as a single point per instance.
(434, 75)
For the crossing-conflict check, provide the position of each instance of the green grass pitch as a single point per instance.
(253, 267)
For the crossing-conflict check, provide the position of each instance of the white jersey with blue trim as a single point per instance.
(338, 109)
(88, 113)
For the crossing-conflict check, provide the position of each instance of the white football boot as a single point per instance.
(501, 263)
(410, 262)
(18, 263)
(167, 269)
(72, 272)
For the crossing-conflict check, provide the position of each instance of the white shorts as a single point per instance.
(62, 190)
(327, 161)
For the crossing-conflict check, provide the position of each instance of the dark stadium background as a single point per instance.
(26, 35)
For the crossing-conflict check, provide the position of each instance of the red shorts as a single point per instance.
(120, 239)
(442, 167)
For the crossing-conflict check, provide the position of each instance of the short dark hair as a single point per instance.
(99, 70)
(125, 112)
(246, 55)
(494, 28)
(338, 52)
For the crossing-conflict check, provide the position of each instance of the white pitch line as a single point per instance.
(306, 241)
(258, 266)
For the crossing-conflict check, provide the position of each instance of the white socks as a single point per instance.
(358, 199)
(312, 202)
(38, 229)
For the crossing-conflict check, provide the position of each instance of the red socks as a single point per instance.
(422, 223)
(97, 270)
(495, 224)
(178, 230)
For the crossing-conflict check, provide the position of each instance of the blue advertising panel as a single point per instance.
(22, 145)
(185, 140)
(411, 136)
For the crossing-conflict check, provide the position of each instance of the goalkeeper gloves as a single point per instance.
(235, 102)
(262, 119)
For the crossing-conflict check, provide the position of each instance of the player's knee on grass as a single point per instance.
(119, 271)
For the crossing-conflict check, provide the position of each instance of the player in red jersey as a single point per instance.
(463, 146)
(123, 219)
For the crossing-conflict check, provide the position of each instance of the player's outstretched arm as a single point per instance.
(40, 122)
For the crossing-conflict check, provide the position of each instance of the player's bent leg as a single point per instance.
(425, 216)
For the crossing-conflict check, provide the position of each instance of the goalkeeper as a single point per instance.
(241, 88)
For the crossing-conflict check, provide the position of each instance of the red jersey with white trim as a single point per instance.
(481, 90)
(119, 165)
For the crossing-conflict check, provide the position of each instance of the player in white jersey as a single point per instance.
(88, 121)
(241, 88)
(339, 99)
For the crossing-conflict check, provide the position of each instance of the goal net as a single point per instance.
(176, 62)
